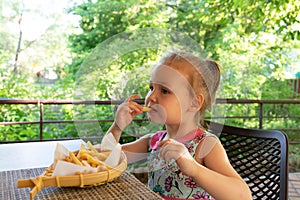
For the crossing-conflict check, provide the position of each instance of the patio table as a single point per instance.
(28, 160)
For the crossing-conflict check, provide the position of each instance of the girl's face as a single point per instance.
(169, 96)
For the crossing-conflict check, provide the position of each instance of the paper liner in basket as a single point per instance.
(69, 174)
(64, 168)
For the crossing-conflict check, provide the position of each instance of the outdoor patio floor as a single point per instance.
(294, 186)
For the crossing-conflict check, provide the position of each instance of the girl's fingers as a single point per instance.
(136, 96)
(167, 156)
(133, 106)
(171, 149)
(127, 111)
(167, 149)
(164, 142)
(170, 153)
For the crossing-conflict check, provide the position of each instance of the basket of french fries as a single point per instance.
(86, 167)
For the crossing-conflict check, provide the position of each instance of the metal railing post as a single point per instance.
(41, 119)
(261, 113)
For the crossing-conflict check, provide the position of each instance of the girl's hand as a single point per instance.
(127, 111)
(171, 149)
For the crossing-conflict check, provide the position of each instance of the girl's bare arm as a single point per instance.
(137, 150)
(217, 176)
(212, 172)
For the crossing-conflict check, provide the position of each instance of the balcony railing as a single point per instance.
(41, 122)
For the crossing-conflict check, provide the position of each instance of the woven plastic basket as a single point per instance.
(81, 180)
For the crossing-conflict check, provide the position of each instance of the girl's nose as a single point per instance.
(151, 97)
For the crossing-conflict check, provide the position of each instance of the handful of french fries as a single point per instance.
(86, 157)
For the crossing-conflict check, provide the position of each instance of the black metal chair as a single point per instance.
(259, 156)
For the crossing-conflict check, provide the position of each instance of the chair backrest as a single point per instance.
(259, 156)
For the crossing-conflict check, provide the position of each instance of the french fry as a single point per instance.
(85, 163)
(83, 155)
(81, 149)
(88, 157)
(68, 159)
(91, 160)
(106, 153)
(146, 109)
(91, 147)
(102, 156)
(49, 171)
(75, 159)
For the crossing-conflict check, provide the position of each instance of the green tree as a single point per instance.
(249, 38)
(256, 43)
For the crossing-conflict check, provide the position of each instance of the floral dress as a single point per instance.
(166, 178)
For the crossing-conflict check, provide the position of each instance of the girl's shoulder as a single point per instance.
(205, 146)
(209, 134)
(207, 137)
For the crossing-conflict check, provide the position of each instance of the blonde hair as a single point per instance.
(202, 75)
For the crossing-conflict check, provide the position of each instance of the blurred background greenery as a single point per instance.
(42, 50)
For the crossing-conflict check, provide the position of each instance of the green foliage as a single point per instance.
(256, 43)
(249, 38)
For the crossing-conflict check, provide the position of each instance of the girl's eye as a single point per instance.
(151, 87)
(164, 91)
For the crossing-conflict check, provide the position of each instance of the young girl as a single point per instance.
(185, 161)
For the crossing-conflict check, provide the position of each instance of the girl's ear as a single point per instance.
(197, 102)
